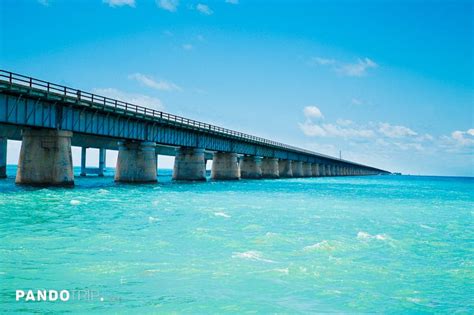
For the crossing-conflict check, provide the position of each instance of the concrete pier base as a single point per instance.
(297, 168)
(250, 167)
(270, 168)
(3, 157)
(328, 170)
(136, 162)
(307, 171)
(189, 164)
(225, 166)
(315, 169)
(285, 169)
(322, 170)
(45, 158)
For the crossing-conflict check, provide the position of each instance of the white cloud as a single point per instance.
(44, 2)
(333, 130)
(322, 61)
(405, 146)
(312, 112)
(188, 47)
(344, 122)
(204, 9)
(232, 1)
(463, 138)
(168, 5)
(132, 98)
(393, 131)
(119, 3)
(311, 129)
(357, 69)
(161, 85)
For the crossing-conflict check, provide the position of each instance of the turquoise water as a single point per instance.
(352, 244)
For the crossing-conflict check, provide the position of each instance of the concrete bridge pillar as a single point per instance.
(307, 171)
(270, 168)
(45, 158)
(328, 170)
(322, 170)
(102, 157)
(3, 157)
(285, 168)
(315, 169)
(297, 168)
(100, 170)
(225, 166)
(250, 167)
(136, 162)
(334, 170)
(189, 164)
(83, 161)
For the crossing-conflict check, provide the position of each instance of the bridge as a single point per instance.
(49, 118)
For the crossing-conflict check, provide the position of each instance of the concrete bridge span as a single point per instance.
(50, 118)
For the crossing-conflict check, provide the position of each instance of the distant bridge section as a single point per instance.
(49, 118)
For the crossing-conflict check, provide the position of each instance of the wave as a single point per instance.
(323, 245)
(252, 255)
(75, 202)
(365, 235)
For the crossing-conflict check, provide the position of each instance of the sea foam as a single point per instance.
(251, 255)
(323, 245)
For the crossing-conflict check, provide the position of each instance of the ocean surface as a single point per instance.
(348, 244)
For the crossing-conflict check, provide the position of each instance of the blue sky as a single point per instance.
(389, 83)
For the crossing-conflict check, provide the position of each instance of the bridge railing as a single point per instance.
(79, 96)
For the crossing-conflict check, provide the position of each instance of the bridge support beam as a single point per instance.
(3, 157)
(285, 169)
(315, 169)
(45, 158)
(270, 168)
(83, 161)
(297, 168)
(189, 164)
(102, 153)
(250, 167)
(100, 170)
(136, 162)
(307, 171)
(225, 166)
